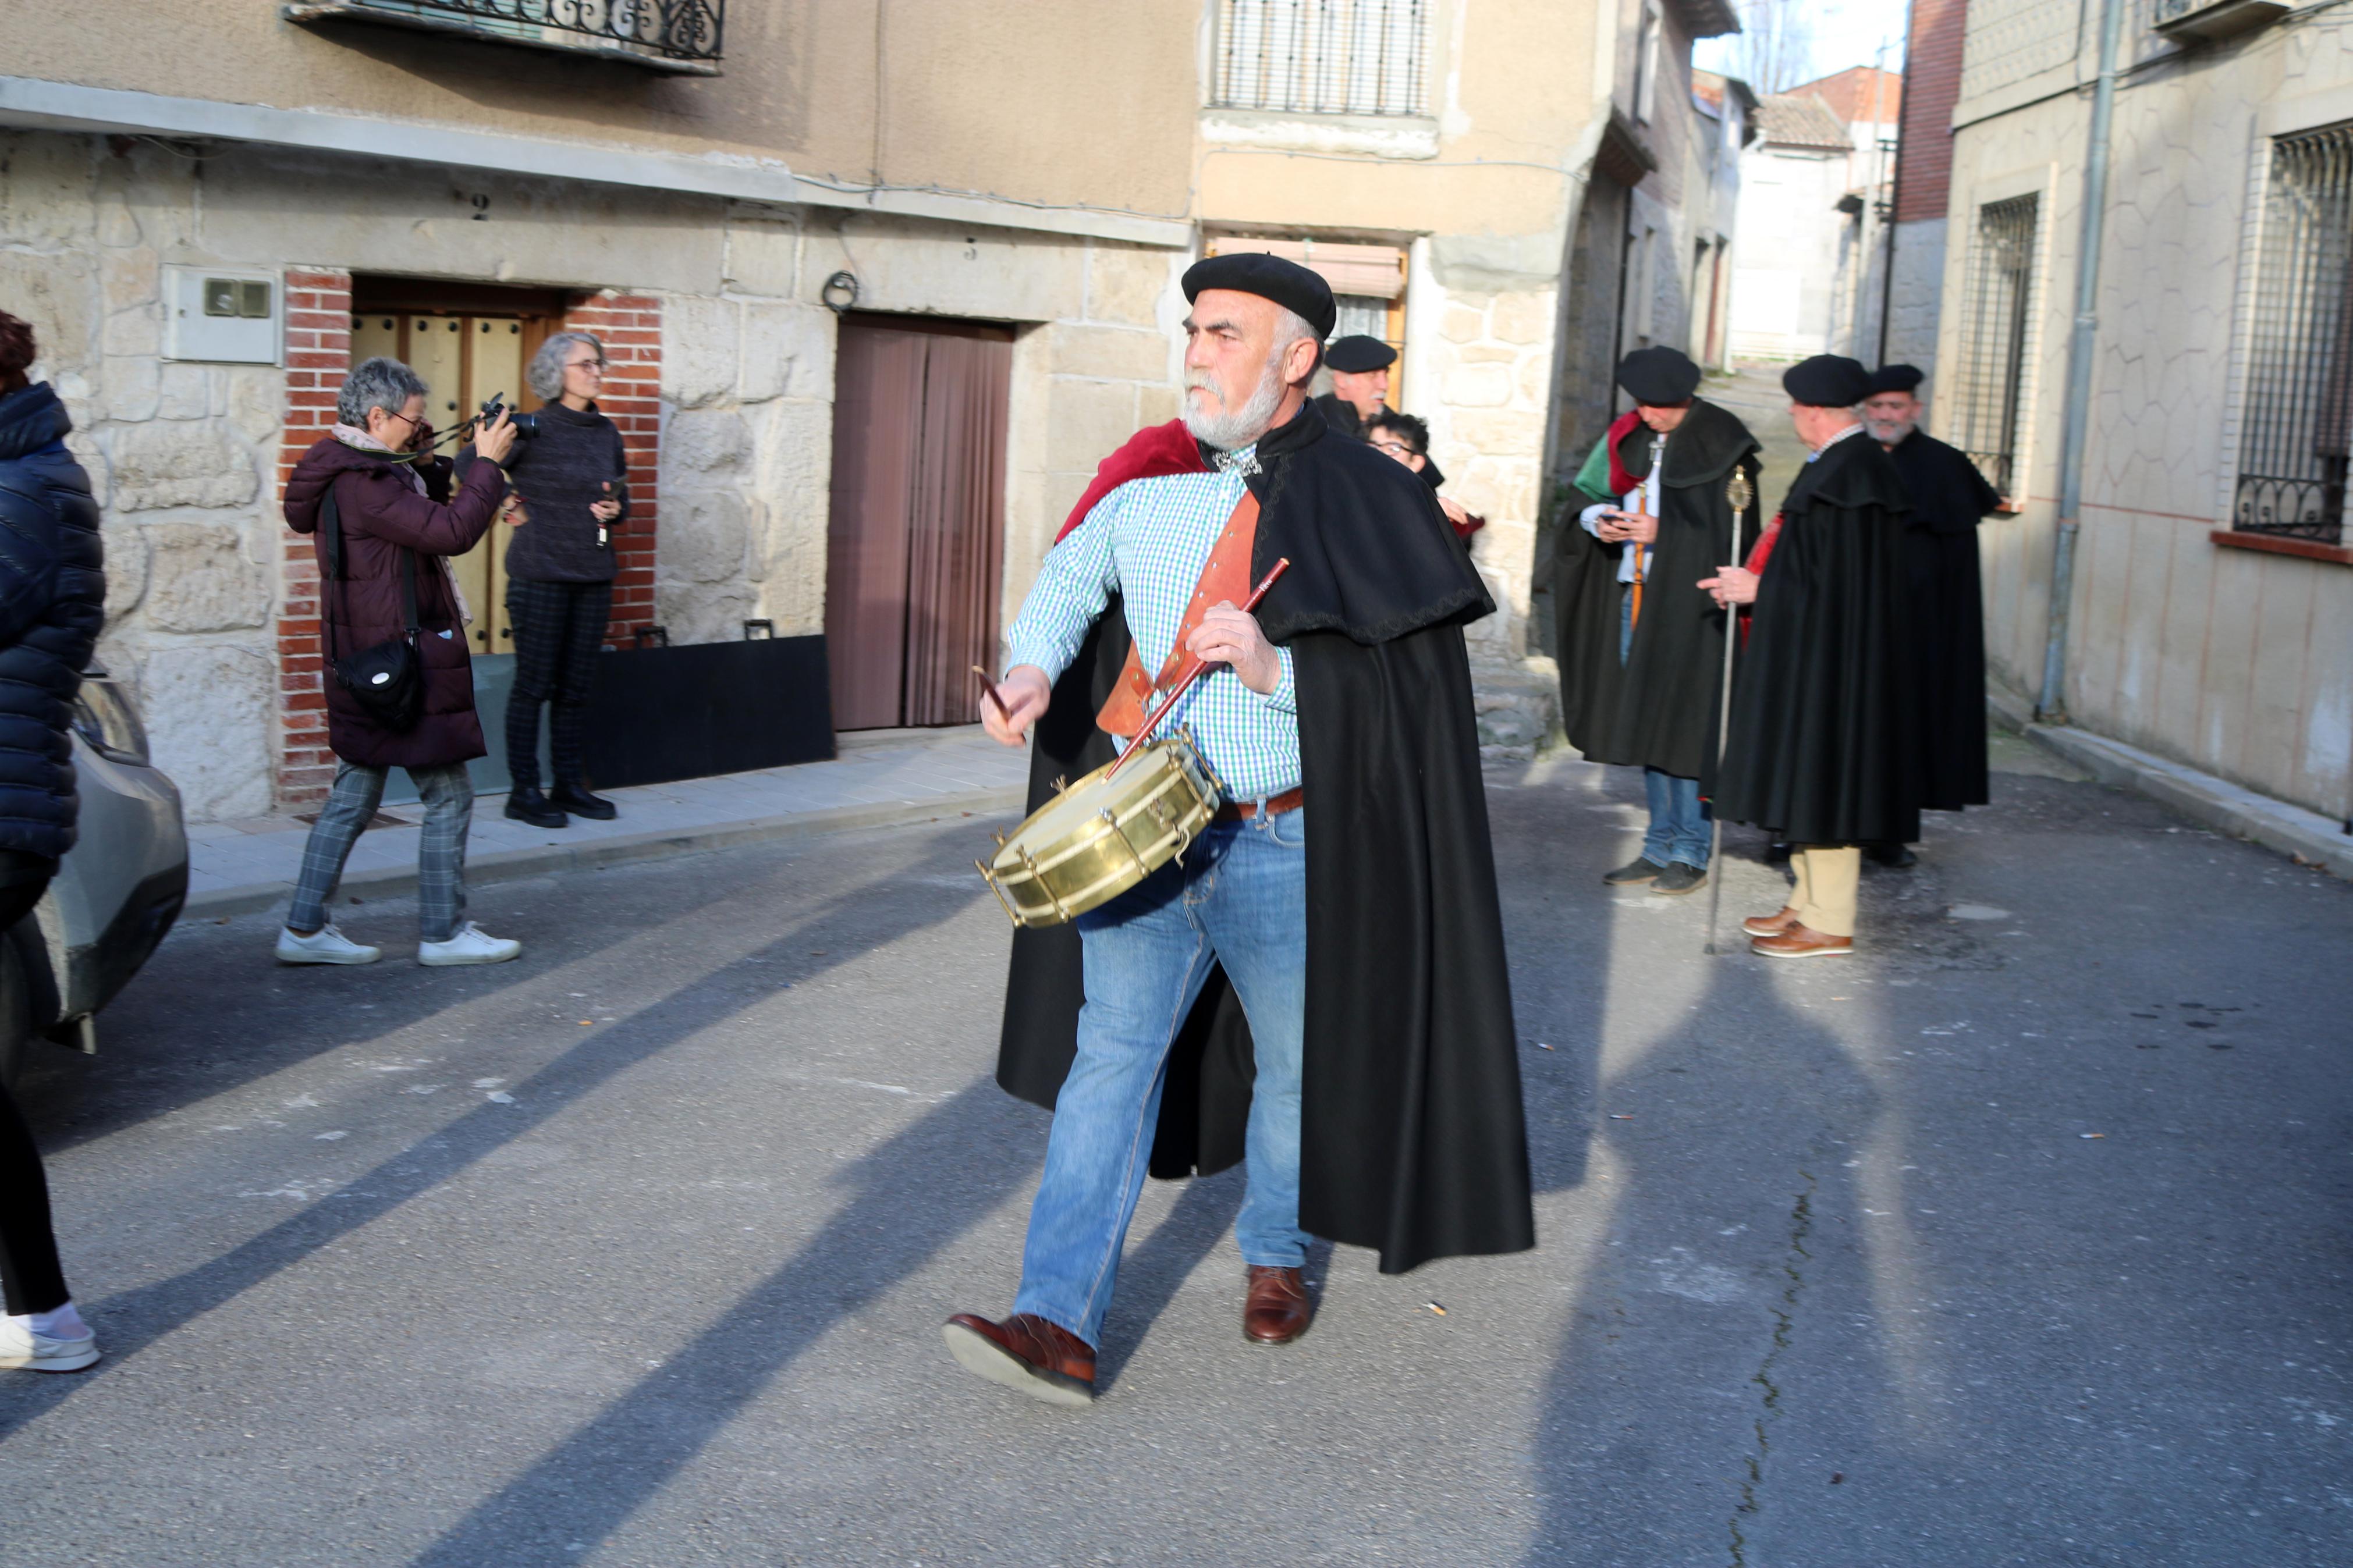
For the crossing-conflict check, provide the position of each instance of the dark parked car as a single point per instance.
(115, 893)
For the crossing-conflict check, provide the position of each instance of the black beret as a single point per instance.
(1896, 378)
(1827, 381)
(1660, 377)
(1358, 353)
(1287, 283)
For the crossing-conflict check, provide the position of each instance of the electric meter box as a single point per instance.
(225, 315)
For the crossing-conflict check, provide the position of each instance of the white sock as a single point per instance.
(64, 1323)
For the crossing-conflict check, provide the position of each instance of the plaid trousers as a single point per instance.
(558, 629)
(448, 796)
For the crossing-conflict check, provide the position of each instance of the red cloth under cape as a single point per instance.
(1154, 452)
(1620, 481)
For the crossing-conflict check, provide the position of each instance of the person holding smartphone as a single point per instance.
(1640, 648)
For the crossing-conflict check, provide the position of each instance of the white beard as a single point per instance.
(1235, 427)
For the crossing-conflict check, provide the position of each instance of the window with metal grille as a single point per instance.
(1323, 57)
(2298, 409)
(1999, 294)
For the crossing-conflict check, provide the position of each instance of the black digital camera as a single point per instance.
(526, 426)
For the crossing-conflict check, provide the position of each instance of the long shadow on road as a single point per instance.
(900, 1215)
(852, 921)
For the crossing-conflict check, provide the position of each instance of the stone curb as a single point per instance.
(548, 859)
(2228, 808)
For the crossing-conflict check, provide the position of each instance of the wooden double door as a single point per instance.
(464, 359)
(916, 534)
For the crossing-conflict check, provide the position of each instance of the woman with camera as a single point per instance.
(571, 480)
(384, 520)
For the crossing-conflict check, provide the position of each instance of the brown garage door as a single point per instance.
(916, 540)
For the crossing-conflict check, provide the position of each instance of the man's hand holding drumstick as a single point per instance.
(1226, 636)
(1009, 707)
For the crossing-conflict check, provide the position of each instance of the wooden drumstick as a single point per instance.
(1199, 668)
(990, 686)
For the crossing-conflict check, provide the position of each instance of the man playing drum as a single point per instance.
(1334, 1011)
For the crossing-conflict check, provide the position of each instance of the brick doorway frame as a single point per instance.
(318, 356)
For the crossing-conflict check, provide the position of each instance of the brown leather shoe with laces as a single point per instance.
(1041, 1359)
(1277, 1310)
(1801, 941)
(1771, 925)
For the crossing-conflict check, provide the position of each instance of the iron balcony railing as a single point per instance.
(668, 35)
(1323, 57)
(2298, 410)
(1999, 291)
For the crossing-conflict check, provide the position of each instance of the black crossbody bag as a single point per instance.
(387, 680)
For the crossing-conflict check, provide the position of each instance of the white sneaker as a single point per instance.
(20, 1347)
(472, 944)
(325, 946)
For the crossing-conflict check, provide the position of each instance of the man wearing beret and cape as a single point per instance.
(1360, 385)
(1318, 991)
(1949, 497)
(1641, 646)
(1821, 751)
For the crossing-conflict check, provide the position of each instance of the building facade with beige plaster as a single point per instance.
(761, 219)
(2211, 615)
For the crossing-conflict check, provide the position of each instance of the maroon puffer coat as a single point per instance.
(380, 512)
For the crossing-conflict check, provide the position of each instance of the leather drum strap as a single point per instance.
(1225, 580)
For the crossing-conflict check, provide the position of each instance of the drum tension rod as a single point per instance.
(1006, 904)
(1126, 843)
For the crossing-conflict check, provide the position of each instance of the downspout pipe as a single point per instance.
(2051, 707)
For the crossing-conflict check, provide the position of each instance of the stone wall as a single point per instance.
(1914, 306)
(178, 453)
(722, 382)
(2226, 658)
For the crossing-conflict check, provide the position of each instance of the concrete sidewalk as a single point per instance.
(2305, 835)
(880, 777)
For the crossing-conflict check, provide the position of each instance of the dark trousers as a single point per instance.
(558, 629)
(30, 1278)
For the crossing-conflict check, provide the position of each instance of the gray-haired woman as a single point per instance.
(397, 518)
(572, 487)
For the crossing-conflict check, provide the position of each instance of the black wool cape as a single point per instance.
(1949, 497)
(1823, 749)
(1660, 708)
(1412, 1137)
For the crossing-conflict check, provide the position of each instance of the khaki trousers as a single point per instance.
(1827, 878)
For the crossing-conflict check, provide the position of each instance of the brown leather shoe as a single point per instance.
(1043, 1360)
(1802, 942)
(1771, 925)
(1277, 1310)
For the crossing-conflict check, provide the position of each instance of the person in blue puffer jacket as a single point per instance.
(52, 607)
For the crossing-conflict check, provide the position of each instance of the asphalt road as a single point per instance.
(2020, 1239)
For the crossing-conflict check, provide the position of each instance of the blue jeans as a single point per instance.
(1679, 823)
(1239, 899)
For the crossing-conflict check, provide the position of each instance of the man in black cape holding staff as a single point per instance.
(1821, 749)
(1319, 988)
(1673, 491)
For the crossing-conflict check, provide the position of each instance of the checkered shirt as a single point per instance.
(1147, 541)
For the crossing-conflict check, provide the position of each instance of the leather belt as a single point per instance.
(1273, 805)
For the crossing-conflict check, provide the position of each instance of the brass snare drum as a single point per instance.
(1103, 835)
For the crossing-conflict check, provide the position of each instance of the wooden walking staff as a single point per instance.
(1193, 673)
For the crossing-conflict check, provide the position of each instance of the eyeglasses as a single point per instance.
(595, 364)
(1396, 449)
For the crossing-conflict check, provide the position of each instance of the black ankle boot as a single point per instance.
(527, 805)
(571, 797)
